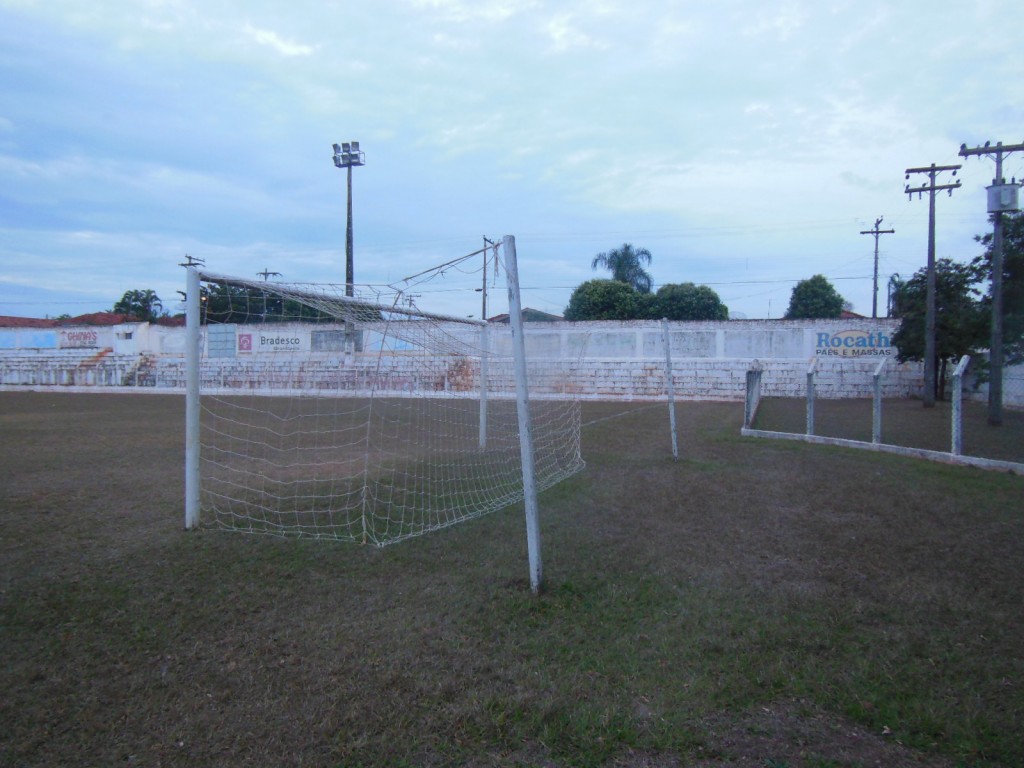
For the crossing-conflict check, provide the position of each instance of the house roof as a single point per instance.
(7, 321)
(91, 318)
(529, 316)
(100, 318)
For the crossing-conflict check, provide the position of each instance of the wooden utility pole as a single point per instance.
(876, 232)
(930, 378)
(1002, 197)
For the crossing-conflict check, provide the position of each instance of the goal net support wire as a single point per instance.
(312, 413)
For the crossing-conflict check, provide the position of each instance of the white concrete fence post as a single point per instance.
(958, 400)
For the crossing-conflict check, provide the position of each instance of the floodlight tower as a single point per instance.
(347, 155)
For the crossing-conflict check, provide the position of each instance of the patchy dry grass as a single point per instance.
(905, 423)
(757, 603)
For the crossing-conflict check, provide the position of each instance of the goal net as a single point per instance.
(323, 415)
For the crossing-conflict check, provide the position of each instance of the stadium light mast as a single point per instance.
(347, 155)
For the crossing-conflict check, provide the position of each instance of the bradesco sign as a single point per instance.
(853, 344)
(286, 341)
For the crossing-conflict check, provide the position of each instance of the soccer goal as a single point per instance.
(316, 414)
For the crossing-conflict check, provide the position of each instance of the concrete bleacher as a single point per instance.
(356, 374)
(696, 379)
(68, 367)
(615, 360)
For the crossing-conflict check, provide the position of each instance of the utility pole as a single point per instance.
(483, 311)
(930, 378)
(1002, 197)
(485, 343)
(876, 232)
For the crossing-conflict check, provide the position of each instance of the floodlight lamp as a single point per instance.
(337, 149)
(337, 162)
(355, 146)
(345, 146)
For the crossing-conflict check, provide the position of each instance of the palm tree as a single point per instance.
(144, 305)
(625, 265)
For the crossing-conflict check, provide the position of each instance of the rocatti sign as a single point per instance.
(853, 344)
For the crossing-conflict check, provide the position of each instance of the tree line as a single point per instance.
(963, 305)
(224, 304)
(627, 295)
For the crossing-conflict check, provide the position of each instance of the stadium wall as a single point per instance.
(609, 359)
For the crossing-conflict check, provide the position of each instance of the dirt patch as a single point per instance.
(795, 735)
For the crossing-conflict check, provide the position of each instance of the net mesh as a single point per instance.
(332, 417)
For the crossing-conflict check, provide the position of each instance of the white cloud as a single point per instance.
(596, 119)
(493, 11)
(273, 40)
(782, 22)
(564, 35)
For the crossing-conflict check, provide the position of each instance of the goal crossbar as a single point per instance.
(321, 299)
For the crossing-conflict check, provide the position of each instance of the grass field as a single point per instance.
(758, 603)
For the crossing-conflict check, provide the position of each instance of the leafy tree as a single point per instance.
(896, 284)
(604, 300)
(144, 305)
(246, 305)
(814, 298)
(1013, 284)
(227, 304)
(626, 265)
(960, 319)
(686, 301)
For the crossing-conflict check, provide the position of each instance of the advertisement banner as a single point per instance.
(285, 340)
(853, 343)
(79, 338)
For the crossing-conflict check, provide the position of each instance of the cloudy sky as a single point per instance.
(745, 144)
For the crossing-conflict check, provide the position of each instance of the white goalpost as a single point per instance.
(311, 413)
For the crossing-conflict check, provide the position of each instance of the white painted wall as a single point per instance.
(611, 359)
